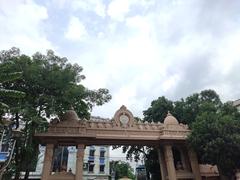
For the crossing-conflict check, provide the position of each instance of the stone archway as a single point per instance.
(123, 129)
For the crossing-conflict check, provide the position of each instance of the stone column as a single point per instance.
(170, 162)
(237, 175)
(183, 159)
(162, 164)
(194, 164)
(79, 162)
(47, 164)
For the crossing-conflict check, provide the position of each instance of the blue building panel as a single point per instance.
(102, 160)
(3, 156)
(91, 158)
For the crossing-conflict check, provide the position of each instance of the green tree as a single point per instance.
(7, 95)
(186, 110)
(215, 137)
(158, 110)
(146, 154)
(210, 121)
(52, 85)
(123, 169)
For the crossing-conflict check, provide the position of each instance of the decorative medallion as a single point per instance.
(124, 119)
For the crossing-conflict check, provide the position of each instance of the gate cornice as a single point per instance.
(123, 128)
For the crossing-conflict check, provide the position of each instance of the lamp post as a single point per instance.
(14, 134)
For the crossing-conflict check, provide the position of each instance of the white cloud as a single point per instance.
(228, 53)
(96, 6)
(22, 26)
(175, 48)
(77, 6)
(118, 9)
(76, 30)
(166, 52)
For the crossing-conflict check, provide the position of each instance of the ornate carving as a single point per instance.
(99, 128)
(54, 121)
(168, 153)
(49, 152)
(124, 117)
(70, 115)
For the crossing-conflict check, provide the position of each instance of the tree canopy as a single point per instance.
(214, 129)
(122, 169)
(215, 137)
(51, 85)
(8, 77)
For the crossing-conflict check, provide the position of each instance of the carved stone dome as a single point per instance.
(170, 119)
(70, 115)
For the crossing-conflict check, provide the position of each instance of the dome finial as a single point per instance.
(168, 113)
(70, 115)
(170, 119)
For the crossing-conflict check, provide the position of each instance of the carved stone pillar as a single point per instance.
(237, 175)
(170, 162)
(194, 164)
(162, 164)
(184, 159)
(47, 165)
(79, 162)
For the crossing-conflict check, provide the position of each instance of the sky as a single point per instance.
(138, 49)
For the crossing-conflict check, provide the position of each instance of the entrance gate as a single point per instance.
(123, 129)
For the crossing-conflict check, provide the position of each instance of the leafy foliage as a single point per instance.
(158, 110)
(123, 169)
(216, 138)
(9, 94)
(52, 85)
(215, 129)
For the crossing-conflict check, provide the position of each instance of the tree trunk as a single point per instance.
(26, 174)
(17, 175)
(17, 120)
(221, 174)
(223, 177)
(17, 172)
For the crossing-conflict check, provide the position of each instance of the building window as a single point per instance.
(102, 153)
(91, 152)
(85, 166)
(60, 159)
(102, 168)
(91, 167)
(102, 157)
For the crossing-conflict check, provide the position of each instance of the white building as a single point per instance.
(237, 104)
(96, 162)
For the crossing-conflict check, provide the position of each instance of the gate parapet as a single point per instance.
(123, 129)
(174, 129)
(122, 126)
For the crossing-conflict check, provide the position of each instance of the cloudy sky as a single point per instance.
(138, 49)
